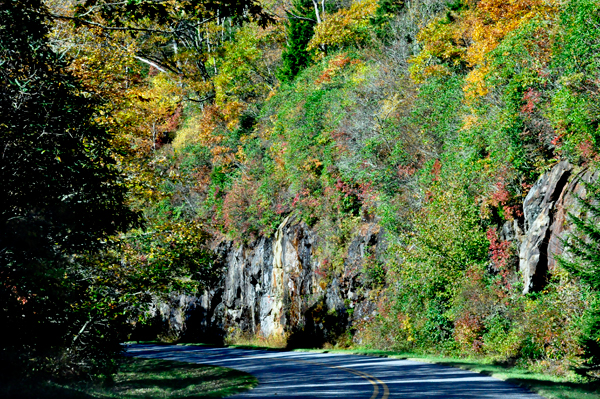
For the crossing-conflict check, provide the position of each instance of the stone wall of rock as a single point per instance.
(273, 287)
(546, 221)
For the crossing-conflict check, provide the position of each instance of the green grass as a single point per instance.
(548, 386)
(145, 378)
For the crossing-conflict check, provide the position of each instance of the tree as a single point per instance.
(347, 26)
(62, 196)
(300, 30)
(584, 262)
(179, 37)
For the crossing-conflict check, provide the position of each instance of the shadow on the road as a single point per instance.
(530, 381)
(36, 390)
(333, 375)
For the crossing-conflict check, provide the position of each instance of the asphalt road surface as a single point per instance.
(297, 375)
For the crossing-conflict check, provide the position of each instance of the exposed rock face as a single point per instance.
(538, 210)
(266, 286)
(567, 203)
(546, 209)
(170, 318)
(545, 192)
(274, 287)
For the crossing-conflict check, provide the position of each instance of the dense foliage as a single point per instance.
(430, 118)
(436, 130)
(62, 197)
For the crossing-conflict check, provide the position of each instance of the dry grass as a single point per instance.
(275, 341)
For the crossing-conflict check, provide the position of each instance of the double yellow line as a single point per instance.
(372, 379)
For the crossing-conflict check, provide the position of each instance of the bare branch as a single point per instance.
(146, 61)
(201, 100)
(127, 28)
(299, 17)
(117, 28)
(121, 3)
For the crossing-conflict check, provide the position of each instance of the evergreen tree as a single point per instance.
(61, 196)
(300, 29)
(584, 245)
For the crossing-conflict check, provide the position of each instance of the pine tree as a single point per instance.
(584, 246)
(295, 57)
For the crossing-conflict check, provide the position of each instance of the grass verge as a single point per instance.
(144, 378)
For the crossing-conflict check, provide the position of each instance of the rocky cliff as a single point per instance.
(546, 221)
(275, 287)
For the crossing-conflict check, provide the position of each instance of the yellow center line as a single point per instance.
(358, 373)
(372, 379)
(386, 390)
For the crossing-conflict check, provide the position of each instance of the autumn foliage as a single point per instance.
(430, 119)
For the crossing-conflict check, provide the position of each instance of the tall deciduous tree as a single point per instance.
(179, 37)
(61, 196)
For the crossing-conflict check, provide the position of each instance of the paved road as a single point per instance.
(298, 375)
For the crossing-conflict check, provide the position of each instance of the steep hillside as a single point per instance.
(445, 126)
(389, 174)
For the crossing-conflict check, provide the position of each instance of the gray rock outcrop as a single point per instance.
(546, 217)
(538, 210)
(275, 287)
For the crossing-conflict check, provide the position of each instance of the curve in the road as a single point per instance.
(300, 375)
(373, 380)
